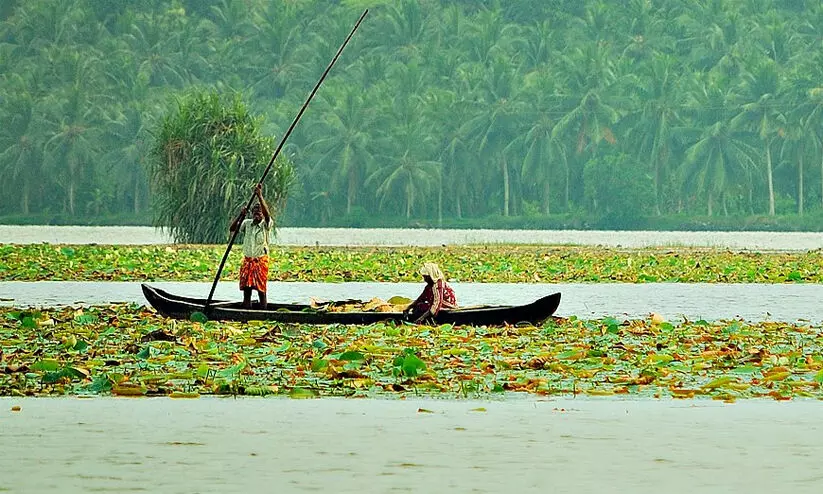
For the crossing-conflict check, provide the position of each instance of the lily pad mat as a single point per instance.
(129, 350)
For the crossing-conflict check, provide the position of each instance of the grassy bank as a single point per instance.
(129, 350)
(506, 264)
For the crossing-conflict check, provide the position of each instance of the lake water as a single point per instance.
(518, 445)
(581, 446)
(780, 302)
(764, 241)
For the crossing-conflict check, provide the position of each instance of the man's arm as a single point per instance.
(237, 221)
(258, 191)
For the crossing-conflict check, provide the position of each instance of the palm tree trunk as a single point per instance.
(351, 191)
(800, 186)
(505, 168)
(408, 199)
(440, 199)
(657, 187)
(546, 197)
(71, 196)
(136, 196)
(710, 203)
(769, 177)
(24, 200)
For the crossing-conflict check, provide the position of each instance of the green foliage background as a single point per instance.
(439, 111)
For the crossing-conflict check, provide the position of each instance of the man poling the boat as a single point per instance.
(436, 296)
(254, 272)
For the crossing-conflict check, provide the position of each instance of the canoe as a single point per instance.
(179, 307)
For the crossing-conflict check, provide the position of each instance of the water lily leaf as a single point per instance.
(81, 345)
(53, 377)
(412, 365)
(318, 364)
(302, 393)
(78, 372)
(202, 370)
(659, 358)
(232, 371)
(612, 325)
(184, 395)
(129, 389)
(719, 382)
(570, 355)
(100, 384)
(746, 369)
(199, 317)
(351, 355)
(85, 319)
(46, 365)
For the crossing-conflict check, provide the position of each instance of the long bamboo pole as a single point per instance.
(277, 152)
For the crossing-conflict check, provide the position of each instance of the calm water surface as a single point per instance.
(788, 241)
(331, 445)
(780, 302)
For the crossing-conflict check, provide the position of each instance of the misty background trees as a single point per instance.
(590, 111)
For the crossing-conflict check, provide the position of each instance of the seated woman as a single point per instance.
(436, 296)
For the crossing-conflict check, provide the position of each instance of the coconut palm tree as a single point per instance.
(761, 113)
(544, 155)
(407, 176)
(718, 161)
(405, 29)
(277, 52)
(493, 128)
(74, 119)
(586, 112)
(652, 126)
(21, 144)
(341, 139)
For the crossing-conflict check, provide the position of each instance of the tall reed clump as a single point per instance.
(206, 156)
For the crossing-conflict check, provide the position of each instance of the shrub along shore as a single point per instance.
(498, 263)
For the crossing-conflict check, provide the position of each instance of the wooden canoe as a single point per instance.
(179, 307)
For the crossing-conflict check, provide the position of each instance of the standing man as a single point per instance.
(254, 271)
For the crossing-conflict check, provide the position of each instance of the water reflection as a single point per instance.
(780, 302)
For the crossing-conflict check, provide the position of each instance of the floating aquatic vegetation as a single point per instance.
(128, 350)
(506, 264)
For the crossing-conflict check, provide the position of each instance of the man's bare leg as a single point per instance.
(263, 301)
(247, 298)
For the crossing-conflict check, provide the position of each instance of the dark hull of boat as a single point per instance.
(179, 307)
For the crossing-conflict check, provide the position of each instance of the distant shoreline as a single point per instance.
(327, 237)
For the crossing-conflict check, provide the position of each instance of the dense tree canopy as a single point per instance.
(438, 109)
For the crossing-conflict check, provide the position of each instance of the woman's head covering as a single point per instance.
(431, 270)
